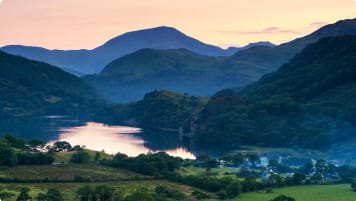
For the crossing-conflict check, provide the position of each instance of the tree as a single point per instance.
(104, 192)
(61, 146)
(249, 184)
(308, 168)
(141, 194)
(97, 156)
(321, 167)
(14, 141)
(6, 196)
(7, 156)
(275, 180)
(24, 194)
(119, 194)
(80, 157)
(233, 189)
(54, 195)
(85, 193)
(298, 178)
(200, 195)
(353, 185)
(41, 197)
(36, 145)
(283, 198)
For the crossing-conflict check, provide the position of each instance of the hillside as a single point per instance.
(164, 110)
(269, 58)
(177, 70)
(187, 72)
(29, 87)
(308, 102)
(82, 62)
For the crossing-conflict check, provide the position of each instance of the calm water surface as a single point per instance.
(96, 136)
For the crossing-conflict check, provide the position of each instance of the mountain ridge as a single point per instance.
(308, 102)
(30, 87)
(94, 60)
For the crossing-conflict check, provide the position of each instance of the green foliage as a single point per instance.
(309, 102)
(283, 198)
(8, 156)
(85, 193)
(53, 195)
(353, 185)
(14, 141)
(60, 146)
(157, 164)
(167, 192)
(6, 195)
(34, 158)
(233, 189)
(34, 88)
(159, 109)
(80, 157)
(200, 195)
(24, 195)
(140, 194)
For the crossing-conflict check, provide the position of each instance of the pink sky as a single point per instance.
(79, 24)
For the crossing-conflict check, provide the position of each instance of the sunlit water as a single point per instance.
(112, 139)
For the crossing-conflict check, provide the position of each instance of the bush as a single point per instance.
(80, 157)
(283, 198)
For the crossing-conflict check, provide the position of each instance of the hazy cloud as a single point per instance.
(268, 30)
(279, 30)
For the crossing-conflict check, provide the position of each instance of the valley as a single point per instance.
(157, 115)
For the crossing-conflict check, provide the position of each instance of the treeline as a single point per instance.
(162, 166)
(16, 151)
(308, 102)
(159, 110)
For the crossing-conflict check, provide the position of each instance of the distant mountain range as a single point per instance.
(308, 102)
(186, 72)
(82, 62)
(29, 88)
(138, 62)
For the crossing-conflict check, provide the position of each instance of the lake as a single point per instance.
(96, 136)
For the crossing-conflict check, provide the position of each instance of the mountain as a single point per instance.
(143, 71)
(308, 102)
(129, 78)
(30, 87)
(269, 58)
(83, 62)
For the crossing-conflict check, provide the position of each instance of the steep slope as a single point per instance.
(308, 102)
(268, 59)
(93, 61)
(29, 87)
(132, 76)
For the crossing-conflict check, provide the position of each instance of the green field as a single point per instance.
(69, 189)
(305, 193)
(69, 172)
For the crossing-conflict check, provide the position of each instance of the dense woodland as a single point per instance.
(33, 88)
(308, 102)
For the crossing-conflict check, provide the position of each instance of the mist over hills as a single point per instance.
(174, 61)
(83, 62)
(130, 77)
(186, 72)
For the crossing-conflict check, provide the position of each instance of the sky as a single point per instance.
(86, 24)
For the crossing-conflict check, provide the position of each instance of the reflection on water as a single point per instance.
(112, 139)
